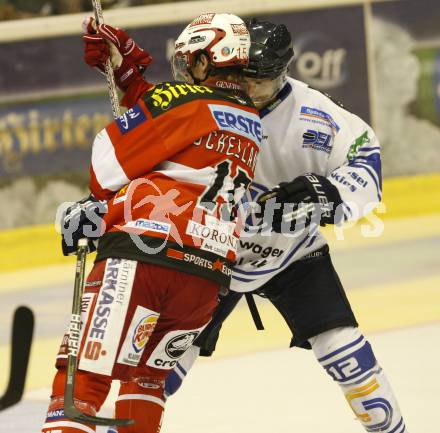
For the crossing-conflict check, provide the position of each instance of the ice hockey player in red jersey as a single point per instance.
(167, 177)
(300, 280)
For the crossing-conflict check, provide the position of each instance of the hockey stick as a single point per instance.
(99, 18)
(22, 331)
(70, 410)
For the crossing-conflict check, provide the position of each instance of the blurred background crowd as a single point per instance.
(381, 59)
(16, 9)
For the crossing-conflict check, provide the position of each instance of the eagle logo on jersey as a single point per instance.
(178, 345)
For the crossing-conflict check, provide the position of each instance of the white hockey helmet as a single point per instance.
(224, 38)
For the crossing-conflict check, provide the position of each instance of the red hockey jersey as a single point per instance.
(173, 169)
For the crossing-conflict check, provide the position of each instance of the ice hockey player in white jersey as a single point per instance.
(317, 152)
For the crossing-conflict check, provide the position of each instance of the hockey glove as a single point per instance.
(127, 58)
(82, 220)
(306, 199)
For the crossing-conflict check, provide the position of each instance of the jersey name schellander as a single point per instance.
(170, 167)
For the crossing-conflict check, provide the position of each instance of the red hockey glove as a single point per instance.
(96, 51)
(128, 48)
(128, 62)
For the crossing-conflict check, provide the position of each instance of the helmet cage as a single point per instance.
(180, 69)
(263, 92)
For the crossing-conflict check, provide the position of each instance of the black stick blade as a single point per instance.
(74, 414)
(22, 332)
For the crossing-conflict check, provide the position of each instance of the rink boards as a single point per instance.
(392, 281)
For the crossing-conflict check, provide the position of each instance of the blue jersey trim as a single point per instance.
(280, 97)
(244, 280)
(267, 271)
(367, 168)
(347, 211)
(373, 160)
(312, 239)
(341, 349)
(367, 149)
(398, 426)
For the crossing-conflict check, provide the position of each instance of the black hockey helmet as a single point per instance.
(271, 49)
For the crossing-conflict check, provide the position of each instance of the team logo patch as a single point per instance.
(172, 347)
(139, 332)
(363, 140)
(177, 346)
(131, 119)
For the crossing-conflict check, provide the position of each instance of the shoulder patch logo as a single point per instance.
(359, 142)
(131, 119)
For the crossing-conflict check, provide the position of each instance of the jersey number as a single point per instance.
(223, 171)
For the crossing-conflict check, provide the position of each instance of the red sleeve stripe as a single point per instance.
(109, 173)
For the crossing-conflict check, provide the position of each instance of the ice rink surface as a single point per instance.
(255, 383)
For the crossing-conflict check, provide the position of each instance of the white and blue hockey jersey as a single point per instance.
(307, 133)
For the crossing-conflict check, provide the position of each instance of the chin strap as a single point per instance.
(195, 80)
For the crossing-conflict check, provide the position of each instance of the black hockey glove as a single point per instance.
(82, 220)
(295, 204)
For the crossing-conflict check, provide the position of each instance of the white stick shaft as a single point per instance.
(97, 8)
